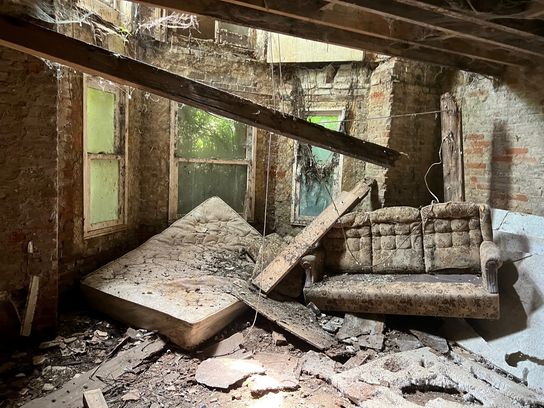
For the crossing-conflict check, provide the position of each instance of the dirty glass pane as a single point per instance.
(313, 194)
(198, 182)
(104, 194)
(100, 121)
(204, 136)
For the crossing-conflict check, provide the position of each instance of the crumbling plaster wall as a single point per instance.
(28, 186)
(503, 137)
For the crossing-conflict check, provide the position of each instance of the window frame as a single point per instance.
(249, 162)
(121, 128)
(303, 220)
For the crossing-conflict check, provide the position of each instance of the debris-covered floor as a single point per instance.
(375, 364)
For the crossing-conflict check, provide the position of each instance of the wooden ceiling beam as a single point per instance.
(45, 43)
(468, 15)
(359, 21)
(305, 28)
(406, 10)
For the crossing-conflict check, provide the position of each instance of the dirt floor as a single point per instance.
(85, 340)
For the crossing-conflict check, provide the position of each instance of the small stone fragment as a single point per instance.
(224, 347)
(333, 324)
(430, 340)
(318, 365)
(355, 326)
(372, 341)
(226, 372)
(133, 334)
(51, 344)
(38, 360)
(358, 359)
(405, 342)
(278, 339)
(48, 387)
(132, 395)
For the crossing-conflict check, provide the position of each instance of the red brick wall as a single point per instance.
(503, 124)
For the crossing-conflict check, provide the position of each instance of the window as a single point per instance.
(233, 34)
(104, 157)
(211, 156)
(317, 172)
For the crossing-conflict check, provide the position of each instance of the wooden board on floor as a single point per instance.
(30, 309)
(291, 255)
(70, 395)
(290, 315)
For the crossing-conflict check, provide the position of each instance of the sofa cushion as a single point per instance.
(396, 240)
(452, 235)
(348, 244)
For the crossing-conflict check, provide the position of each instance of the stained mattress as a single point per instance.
(177, 281)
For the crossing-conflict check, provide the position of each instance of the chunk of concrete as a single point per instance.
(281, 374)
(318, 365)
(356, 325)
(226, 372)
(422, 370)
(437, 343)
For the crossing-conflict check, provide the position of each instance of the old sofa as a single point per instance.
(437, 261)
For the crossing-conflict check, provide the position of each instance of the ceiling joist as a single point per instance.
(293, 20)
(45, 43)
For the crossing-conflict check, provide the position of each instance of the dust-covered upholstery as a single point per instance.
(351, 253)
(396, 240)
(452, 234)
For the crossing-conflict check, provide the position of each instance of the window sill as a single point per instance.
(104, 231)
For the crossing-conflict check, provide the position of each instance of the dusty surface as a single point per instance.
(295, 375)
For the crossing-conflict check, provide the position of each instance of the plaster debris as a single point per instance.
(430, 340)
(225, 372)
(282, 374)
(355, 326)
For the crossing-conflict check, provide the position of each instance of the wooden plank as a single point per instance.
(452, 150)
(291, 255)
(30, 308)
(290, 315)
(481, 19)
(360, 21)
(237, 14)
(42, 42)
(102, 377)
(461, 28)
(94, 399)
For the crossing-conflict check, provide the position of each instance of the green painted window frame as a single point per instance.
(248, 161)
(296, 218)
(118, 154)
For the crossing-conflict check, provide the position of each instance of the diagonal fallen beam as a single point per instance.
(287, 259)
(45, 43)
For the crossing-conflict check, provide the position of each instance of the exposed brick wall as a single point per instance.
(503, 125)
(28, 181)
(399, 88)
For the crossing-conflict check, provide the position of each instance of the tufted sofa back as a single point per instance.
(396, 240)
(452, 234)
(440, 238)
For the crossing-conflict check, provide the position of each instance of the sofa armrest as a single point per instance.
(490, 258)
(313, 265)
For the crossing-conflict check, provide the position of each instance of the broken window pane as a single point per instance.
(100, 121)
(200, 181)
(318, 171)
(104, 190)
(205, 136)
